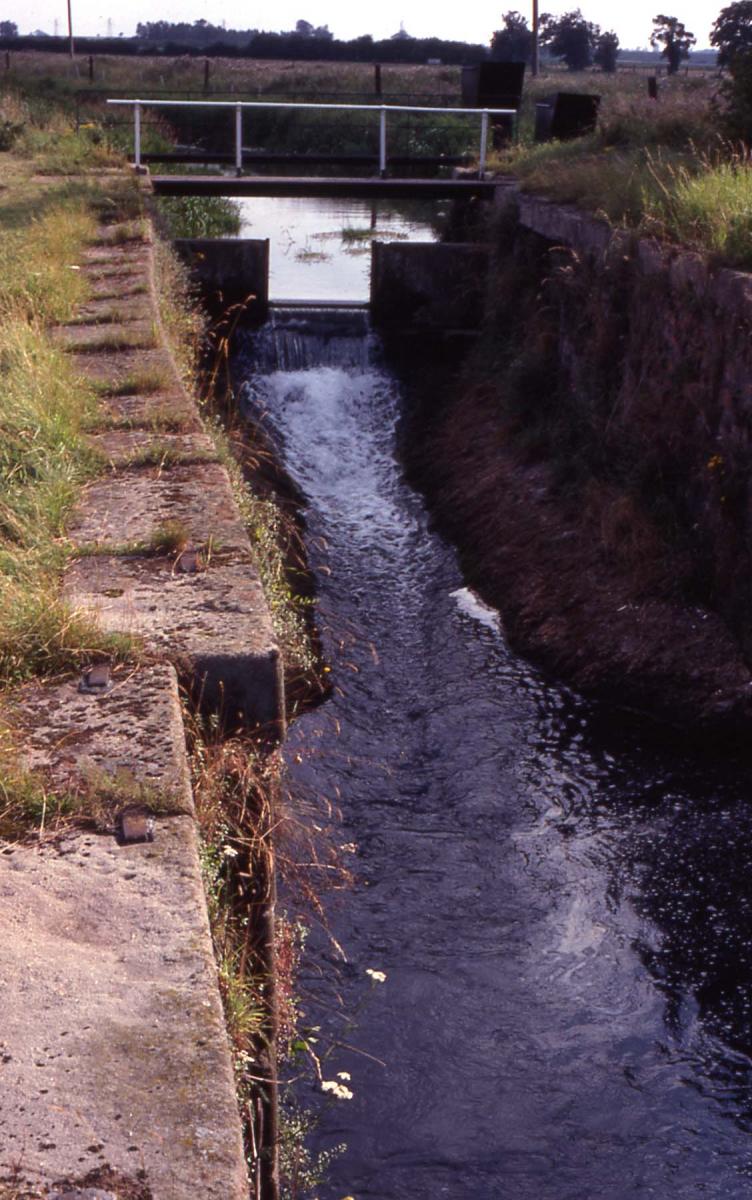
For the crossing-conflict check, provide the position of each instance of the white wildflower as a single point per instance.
(376, 976)
(336, 1089)
(344, 1075)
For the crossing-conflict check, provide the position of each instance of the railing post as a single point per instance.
(382, 143)
(483, 143)
(238, 139)
(137, 135)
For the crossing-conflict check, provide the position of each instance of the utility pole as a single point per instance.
(70, 31)
(535, 63)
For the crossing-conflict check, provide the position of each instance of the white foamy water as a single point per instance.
(472, 606)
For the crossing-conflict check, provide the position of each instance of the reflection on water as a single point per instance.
(320, 249)
(563, 917)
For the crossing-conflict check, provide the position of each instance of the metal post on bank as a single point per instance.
(483, 143)
(238, 139)
(137, 135)
(382, 143)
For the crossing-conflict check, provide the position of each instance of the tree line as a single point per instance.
(581, 44)
(571, 38)
(304, 42)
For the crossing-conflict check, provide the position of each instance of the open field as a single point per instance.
(230, 76)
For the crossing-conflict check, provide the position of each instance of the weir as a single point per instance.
(513, 986)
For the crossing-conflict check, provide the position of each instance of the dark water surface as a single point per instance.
(563, 918)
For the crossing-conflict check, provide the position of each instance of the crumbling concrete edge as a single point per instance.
(594, 238)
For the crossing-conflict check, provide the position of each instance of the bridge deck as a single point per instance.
(267, 158)
(369, 187)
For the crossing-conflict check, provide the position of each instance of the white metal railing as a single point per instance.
(382, 110)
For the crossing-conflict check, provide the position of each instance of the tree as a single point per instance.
(8, 29)
(732, 32)
(676, 40)
(570, 37)
(607, 51)
(736, 90)
(514, 42)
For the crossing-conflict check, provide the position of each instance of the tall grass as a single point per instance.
(40, 277)
(44, 458)
(708, 209)
(660, 167)
(199, 216)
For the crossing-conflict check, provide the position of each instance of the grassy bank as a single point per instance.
(667, 168)
(46, 224)
(44, 457)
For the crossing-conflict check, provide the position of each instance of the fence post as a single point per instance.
(238, 139)
(377, 78)
(91, 68)
(206, 74)
(137, 135)
(382, 142)
(483, 143)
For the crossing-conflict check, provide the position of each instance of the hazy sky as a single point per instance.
(475, 23)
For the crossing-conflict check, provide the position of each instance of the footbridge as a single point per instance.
(383, 184)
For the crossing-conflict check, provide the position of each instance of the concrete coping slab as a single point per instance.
(107, 276)
(137, 505)
(113, 1049)
(125, 447)
(564, 223)
(98, 338)
(100, 310)
(153, 411)
(134, 252)
(114, 368)
(122, 745)
(213, 623)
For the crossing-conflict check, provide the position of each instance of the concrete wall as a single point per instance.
(654, 345)
(229, 271)
(428, 285)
